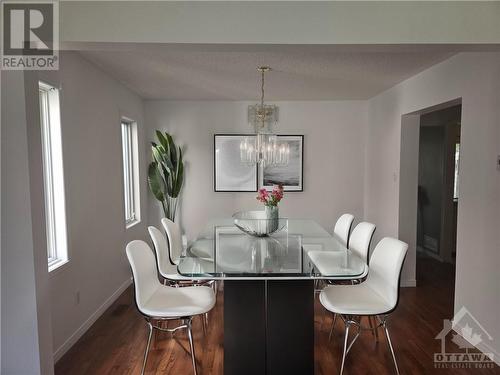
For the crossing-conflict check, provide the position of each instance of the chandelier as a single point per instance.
(263, 148)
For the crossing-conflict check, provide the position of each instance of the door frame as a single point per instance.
(408, 181)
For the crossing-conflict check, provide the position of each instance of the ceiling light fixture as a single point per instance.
(263, 148)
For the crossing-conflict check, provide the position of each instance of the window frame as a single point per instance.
(53, 176)
(130, 166)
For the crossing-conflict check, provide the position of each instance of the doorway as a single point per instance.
(438, 197)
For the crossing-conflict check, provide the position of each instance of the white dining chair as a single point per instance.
(377, 296)
(171, 250)
(174, 238)
(343, 227)
(341, 233)
(159, 303)
(360, 239)
(167, 270)
(359, 243)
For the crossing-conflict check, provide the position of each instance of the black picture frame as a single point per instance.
(221, 187)
(288, 188)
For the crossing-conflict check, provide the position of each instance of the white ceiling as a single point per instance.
(229, 72)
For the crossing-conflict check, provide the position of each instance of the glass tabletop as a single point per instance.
(301, 250)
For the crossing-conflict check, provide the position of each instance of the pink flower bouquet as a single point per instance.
(273, 198)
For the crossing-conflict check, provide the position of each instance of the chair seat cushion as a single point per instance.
(353, 300)
(169, 302)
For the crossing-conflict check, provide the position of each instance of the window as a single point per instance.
(53, 176)
(130, 172)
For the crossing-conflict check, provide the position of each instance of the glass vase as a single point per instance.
(272, 216)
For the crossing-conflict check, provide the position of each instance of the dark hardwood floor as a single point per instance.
(115, 343)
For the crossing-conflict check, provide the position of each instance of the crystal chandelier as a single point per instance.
(263, 148)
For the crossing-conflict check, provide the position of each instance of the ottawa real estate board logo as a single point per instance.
(30, 35)
(467, 334)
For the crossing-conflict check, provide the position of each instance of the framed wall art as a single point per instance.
(230, 174)
(291, 175)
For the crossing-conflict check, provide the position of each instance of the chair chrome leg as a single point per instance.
(333, 326)
(150, 326)
(346, 337)
(203, 324)
(390, 346)
(206, 319)
(354, 339)
(191, 345)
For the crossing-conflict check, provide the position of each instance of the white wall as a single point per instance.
(334, 143)
(476, 79)
(91, 107)
(408, 180)
(26, 332)
(37, 216)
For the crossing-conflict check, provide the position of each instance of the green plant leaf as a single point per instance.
(180, 179)
(172, 148)
(161, 158)
(162, 139)
(179, 175)
(167, 164)
(156, 153)
(155, 182)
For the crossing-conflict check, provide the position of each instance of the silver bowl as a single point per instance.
(257, 223)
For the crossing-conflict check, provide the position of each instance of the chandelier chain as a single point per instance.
(262, 88)
(262, 108)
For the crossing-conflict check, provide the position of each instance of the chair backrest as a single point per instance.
(143, 264)
(174, 238)
(385, 269)
(343, 227)
(161, 248)
(360, 239)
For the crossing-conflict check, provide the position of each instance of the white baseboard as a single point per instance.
(409, 283)
(482, 346)
(88, 323)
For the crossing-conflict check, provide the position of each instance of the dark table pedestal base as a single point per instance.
(269, 327)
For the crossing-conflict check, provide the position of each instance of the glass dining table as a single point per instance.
(269, 290)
